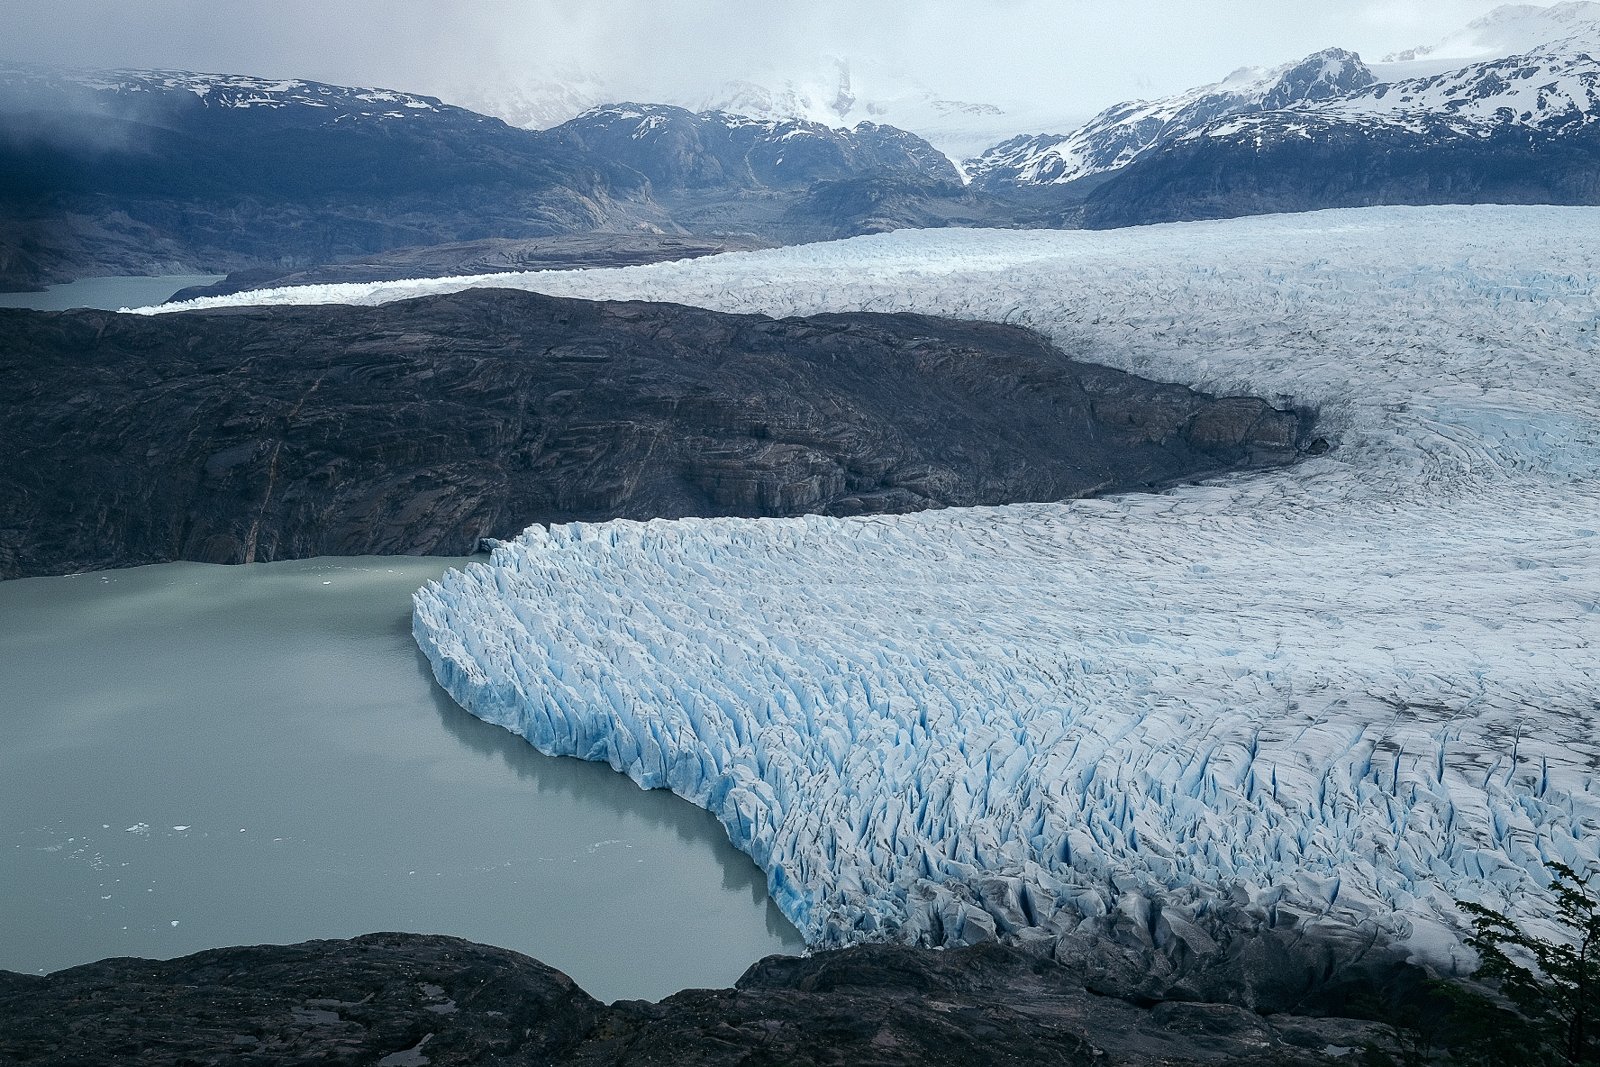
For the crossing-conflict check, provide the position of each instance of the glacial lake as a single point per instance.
(196, 756)
(107, 294)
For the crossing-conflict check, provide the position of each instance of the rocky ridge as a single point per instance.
(407, 999)
(140, 172)
(422, 426)
(680, 150)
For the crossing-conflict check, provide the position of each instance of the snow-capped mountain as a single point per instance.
(838, 93)
(1530, 68)
(235, 172)
(130, 91)
(681, 150)
(128, 172)
(1521, 130)
(1513, 30)
(1546, 91)
(844, 93)
(530, 104)
(1119, 135)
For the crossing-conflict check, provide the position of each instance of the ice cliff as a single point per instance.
(1346, 693)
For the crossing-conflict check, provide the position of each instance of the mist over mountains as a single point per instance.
(141, 171)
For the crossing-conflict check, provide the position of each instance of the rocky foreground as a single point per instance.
(423, 426)
(409, 999)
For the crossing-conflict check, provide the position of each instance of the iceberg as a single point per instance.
(1353, 691)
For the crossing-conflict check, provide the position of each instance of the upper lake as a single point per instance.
(198, 756)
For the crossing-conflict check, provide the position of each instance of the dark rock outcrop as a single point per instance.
(398, 999)
(422, 426)
(1324, 75)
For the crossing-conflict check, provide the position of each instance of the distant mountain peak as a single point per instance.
(1515, 29)
(1322, 75)
(843, 92)
(1535, 69)
(1121, 133)
(221, 92)
(836, 91)
(681, 150)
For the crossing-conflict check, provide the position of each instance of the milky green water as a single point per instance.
(107, 294)
(194, 756)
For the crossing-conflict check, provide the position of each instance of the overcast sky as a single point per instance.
(1074, 56)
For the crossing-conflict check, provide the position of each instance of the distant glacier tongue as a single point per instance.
(1355, 690)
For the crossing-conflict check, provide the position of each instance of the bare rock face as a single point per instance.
(385, 998)
(420, 427)
(411, 999)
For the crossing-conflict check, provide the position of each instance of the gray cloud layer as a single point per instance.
(1073, 56)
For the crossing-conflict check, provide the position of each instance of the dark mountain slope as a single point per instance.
(134, 170)
(1347, 164)
(151, 171)
(681, 151)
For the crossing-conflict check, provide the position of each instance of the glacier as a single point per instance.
(1348, 693)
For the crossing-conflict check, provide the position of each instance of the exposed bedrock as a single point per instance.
(422, 426)
(413, 999)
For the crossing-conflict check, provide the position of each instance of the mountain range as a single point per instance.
(131, 172)
(838, 92)
(1502, 111)
(137, 172)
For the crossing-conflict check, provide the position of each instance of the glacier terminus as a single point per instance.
(1338, 696)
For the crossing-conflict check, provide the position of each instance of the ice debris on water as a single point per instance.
(1359, 688)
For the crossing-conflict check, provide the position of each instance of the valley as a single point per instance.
(1122, 592)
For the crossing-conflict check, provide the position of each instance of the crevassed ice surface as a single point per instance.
(1363, 687)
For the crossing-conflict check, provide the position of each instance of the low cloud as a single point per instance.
(1070, 55)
